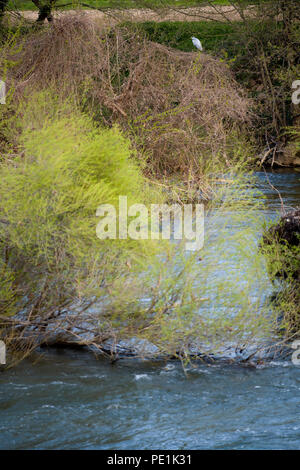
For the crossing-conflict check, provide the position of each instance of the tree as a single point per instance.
(44, 6)
(45, 9)
(3, 5)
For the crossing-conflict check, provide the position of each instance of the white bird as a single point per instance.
(197, 43)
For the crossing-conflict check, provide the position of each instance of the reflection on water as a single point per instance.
(71, 400)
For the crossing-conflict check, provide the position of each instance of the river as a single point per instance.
(70, 399)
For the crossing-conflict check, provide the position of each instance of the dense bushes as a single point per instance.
(184, 115)
(262, 50)
(184, 112)
(282, 249)
(59, 283)
(50, 191)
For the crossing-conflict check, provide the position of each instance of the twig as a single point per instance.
(275, 189)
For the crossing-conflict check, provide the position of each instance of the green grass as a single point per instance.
(28, 5)
(221, 38)
(177, 34)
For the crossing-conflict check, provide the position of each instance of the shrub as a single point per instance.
(178, 108)
(262, 50)
(282, 249)
(59, 283)
(66, 168)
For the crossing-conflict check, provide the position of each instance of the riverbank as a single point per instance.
(82, 333)
(221, 29)
(95, 113)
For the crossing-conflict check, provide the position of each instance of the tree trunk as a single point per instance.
(44, 10)
(3, 5)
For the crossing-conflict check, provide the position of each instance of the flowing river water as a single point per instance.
(70, 399)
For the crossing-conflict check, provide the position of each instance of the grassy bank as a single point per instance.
(215, 36)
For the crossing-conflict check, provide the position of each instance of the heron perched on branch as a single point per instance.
(197, 43)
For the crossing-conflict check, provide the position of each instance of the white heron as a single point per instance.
(197, 43)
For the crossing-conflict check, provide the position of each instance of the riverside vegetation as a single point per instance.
(94, 112)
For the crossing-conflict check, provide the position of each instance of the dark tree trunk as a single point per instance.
(45, 12)
(45, 9)
(3, 5)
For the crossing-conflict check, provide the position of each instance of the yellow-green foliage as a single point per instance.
(283, 264)
(66, 168)
(53, 264)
